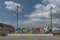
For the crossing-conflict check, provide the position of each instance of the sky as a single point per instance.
(32, 13)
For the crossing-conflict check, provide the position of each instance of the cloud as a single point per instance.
(56, 14)
(12, 6)
(56, 21)
(45, 2)
(57, 8)
(42, 11)
(41, 15)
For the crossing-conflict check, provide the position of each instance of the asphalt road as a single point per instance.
(30, 38)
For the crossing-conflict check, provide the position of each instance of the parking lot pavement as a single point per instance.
(30, 38)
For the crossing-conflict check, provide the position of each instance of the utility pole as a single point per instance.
(51, 17)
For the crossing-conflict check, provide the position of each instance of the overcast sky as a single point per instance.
(32, 13)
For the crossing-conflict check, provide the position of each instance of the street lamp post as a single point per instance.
(51, 17)
(17, 15)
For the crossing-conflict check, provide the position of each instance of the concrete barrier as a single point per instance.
(30, 34)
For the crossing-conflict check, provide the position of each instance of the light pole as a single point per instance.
(51, 17)
(17, 14)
